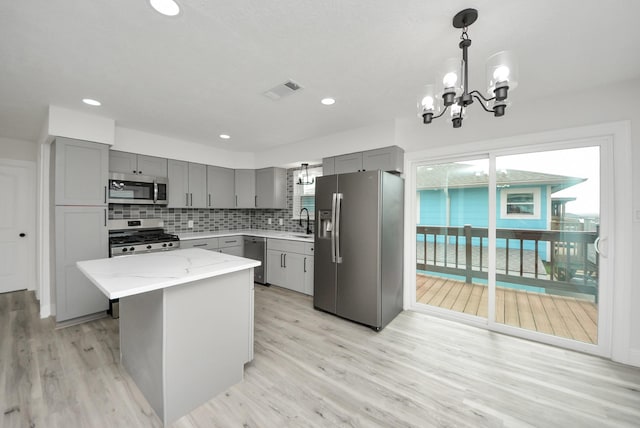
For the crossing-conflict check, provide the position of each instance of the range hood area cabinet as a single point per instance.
(131, 163)
(79, 173)
(389, 159)
(271, 188)
(220, 187)
(245, 188)
(187, 184)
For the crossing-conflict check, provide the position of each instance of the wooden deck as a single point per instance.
(560, 316)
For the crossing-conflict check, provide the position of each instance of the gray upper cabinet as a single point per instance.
(389, 159)
(152, 166)
(329, 166)
(197, 185)
(178, 192)
(81, 171)
(131, 163)
(187, 184)
(245, 188)
(348, 163)
(271, 188)
(220, 187)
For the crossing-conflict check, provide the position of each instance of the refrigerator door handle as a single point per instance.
(333, 225)
(339, 197)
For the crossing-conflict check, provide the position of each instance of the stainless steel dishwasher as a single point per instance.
(256, 248)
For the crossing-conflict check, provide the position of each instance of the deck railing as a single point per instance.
(570, 263)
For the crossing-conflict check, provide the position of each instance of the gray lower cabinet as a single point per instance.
(80, 234)
(131, 163)
(220, 187)
(245, 188)
(204, 243)
(271, 188)
(81, 171)
(290, 265)
(187, 184)
(233, 245)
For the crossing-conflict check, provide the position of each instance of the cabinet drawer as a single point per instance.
(286, 246)
(204, 243)
(308, 248)
(230, 241)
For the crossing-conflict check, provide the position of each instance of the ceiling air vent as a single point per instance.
(283, 90)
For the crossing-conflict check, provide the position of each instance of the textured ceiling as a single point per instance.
(202, 73)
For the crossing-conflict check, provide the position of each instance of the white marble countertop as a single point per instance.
(128, 275)
(293, 236)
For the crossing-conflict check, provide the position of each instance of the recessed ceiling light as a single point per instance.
(225, 136)
(91, 102)
(165, 7)
(328, 101)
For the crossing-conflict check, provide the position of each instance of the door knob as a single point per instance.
(22, 235)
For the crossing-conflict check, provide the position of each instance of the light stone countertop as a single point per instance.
(293, 236)
(128, 275)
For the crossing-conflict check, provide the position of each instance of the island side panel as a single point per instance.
(206, 339)
(141, 336)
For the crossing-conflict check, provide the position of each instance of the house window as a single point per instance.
(520, 203)
(304, 195)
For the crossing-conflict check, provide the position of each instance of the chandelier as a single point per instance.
(454, 92)
(303, 178)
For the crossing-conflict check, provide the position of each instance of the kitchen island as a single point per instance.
(186, 322)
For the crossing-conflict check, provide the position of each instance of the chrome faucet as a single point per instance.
(308, 228)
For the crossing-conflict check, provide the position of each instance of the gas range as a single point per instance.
(127, 237)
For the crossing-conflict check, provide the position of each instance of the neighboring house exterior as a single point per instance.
(457, 195)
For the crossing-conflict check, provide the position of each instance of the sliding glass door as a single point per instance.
(517, 241)
(547, 229)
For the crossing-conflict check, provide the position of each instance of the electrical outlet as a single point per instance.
(190, 224)
(269, 221)
(281, 221)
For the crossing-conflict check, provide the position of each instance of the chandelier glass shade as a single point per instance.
(451, 91)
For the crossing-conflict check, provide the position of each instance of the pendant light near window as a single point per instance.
(303, 178)
(454, 90)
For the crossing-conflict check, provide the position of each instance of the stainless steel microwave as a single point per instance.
(137, 189)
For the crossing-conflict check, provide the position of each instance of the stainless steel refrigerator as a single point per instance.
(359, 246)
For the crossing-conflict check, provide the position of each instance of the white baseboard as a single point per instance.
(634, 357)
(47, 310)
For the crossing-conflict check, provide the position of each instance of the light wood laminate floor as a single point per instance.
(561, 316)
(313, 369)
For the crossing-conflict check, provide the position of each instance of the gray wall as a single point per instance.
(17, 149)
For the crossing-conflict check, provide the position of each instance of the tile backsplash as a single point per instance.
(176, 220)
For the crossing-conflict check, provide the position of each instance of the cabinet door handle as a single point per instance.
(105, 217)
(285, 260)
(236, 200)
(255, 201)
(209, 199)
(305, 265)
(229, 242)
(200, 245)
(105, 194)
(281, 264)
(186, 195)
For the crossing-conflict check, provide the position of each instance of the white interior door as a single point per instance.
(17, 225)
